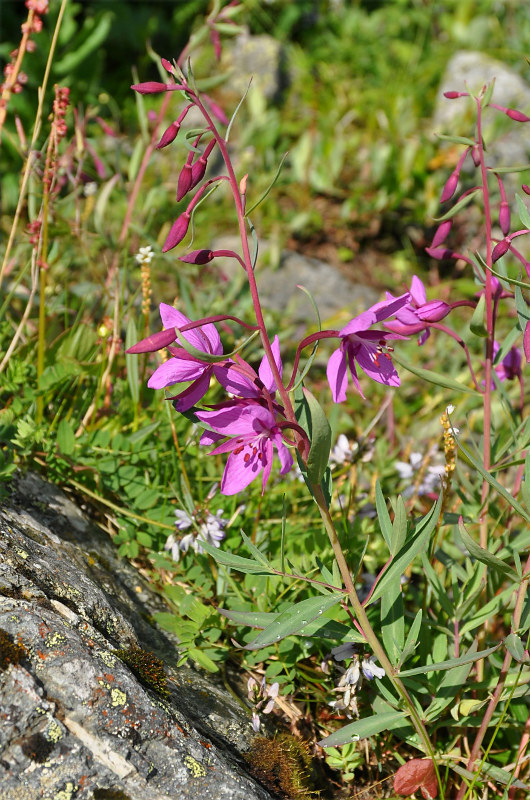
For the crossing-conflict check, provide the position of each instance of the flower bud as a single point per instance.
(518, 116)
(184, 181)
(197, 257)
(525, 188)
(169, 135)
(157, 341)
(454, 95)
(450, 187)
(433, 311)
(178, 231)
(439, 253)
(499, 250)
(167, 66)
(442, 233)
(504, 217)
(199, 168)
(150, 87)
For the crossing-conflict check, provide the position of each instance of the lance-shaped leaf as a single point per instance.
(468, 658)
(314, 421)
(293, 620)
(363, 728)
(434, 377)
(238, 563)
(484, 556)
(322, 627)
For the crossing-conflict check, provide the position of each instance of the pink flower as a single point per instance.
(416, 315)
(367, 348)
(255, 431)
(510, 366)
(183, 366)
(242, 381)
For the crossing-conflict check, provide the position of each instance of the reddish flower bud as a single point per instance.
(197, 257)
(157, 341)
(199, 168)
(504, 217)
(169, 135)
(167, 66)
(178, 231)
(518, 116)
(149, 87)
(475, 155)
(499, 250)
(525, 188)
(184, 182)
(454, 95)
(449, 188)
(441, 233)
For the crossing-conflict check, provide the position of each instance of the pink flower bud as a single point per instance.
(157, 341)
(199, 168)
(433, 311)
(518, 116)
(525, 188)
(184, 182)
(178, 231)
(499, 250)
(454, 95)
(150, 87)
(169, 135)
(442, 233)
(504, 217)
(197, 257)
(475, 155)
(167, 66)
(450, 187)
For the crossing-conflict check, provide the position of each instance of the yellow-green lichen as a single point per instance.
(54, 639)
(67, 793)
(53, 731)
(22, 553)
(197, 770)
(118, 698)
(108, 659)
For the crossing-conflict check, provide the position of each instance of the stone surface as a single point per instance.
(75, 721)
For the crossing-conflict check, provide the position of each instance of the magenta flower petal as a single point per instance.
(175, 370)
(195, 392)
(205, 338)
(417, 289)
(337, 374)
(378, 366)
(239, 473)
(235, 383)
(265, 372)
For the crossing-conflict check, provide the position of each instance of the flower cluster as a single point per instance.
(208, 528)
(262, 698)
(351, 677)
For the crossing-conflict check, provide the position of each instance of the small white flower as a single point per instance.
(450, 408)
(370, 670)
(90, 188)
(343, 452)
(144, 255)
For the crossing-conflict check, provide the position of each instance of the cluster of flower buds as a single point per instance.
(15, 80)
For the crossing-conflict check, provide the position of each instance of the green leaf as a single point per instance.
(522, 210)
(293, 620)
(491, 480)
(235, 562)
(131, 337)
(229, 128)
(268, 189)
(484, 556)
(322, 627)
(523, 312)
(363, 728)
(455, 139)
(506, 170)
(319, 431)
(412, 639)
(408, 553)
(76, 55)
(100, 208)
(476, 324)
(468, 658)
(450, 686)
(383, 516)
(399, 527)
(258, 555)
(465, 201)
(434, 377)
(515, 647)
(65, 437)
(393, 620)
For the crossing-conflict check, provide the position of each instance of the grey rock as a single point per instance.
(260, 57)
(74, 717)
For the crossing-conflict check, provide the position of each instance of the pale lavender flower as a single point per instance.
(262, 697)
(209, 529)
(370, 670)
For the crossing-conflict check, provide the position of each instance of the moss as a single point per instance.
(10, 652)
(110, 794)
(37, 747)
(283, 765)
(146, 666)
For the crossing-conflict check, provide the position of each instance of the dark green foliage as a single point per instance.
(146, 666)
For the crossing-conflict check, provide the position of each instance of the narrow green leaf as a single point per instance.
(363, 728)
(131, 361)
(229, 128)
(455, 139)
(292, 620)
(433, 377)
(523, 312)
(511, 281)
(236, 562)
(476, 324)
(383, 516)
(408, 553)
(465, 201)
(485, 556)
(491, 480)
(507, 170)
(258, 555)
(469, 657)
(450, 686)
(322, 627)
(412, 639)
(399, 527)
(320, 437)
(393, 620)
(522, 210)
(100, 207)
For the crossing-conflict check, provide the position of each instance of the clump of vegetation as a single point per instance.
(110, 794)
(37, 747)
(146, 666)
(11, 652)
(282, 764)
